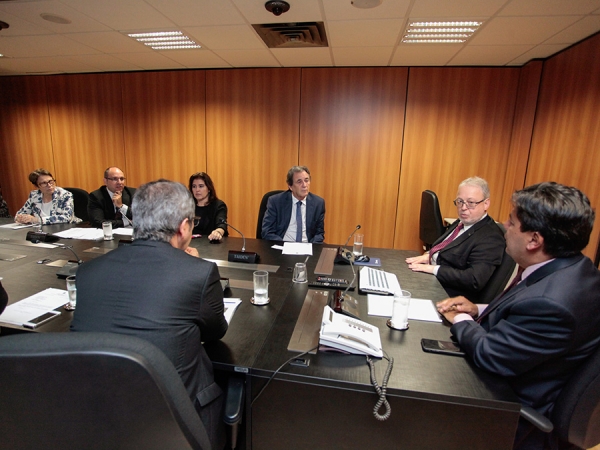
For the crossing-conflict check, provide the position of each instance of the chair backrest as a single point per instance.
(431, 224)
(576, 414)
(500, 278)
(93, 391)
(261, 211)
(80, 201)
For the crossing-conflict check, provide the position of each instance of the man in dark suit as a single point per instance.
(284, 211)
(111, 201)
(539, 331)
(464, 258)
(158, 289)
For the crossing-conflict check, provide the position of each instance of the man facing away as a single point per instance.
(112, 201)
(538, 332)
(295, 215)
(158, 289)
(464, 258)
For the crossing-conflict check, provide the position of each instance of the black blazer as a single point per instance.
(468, 262)
(101, 207)
(156, 292)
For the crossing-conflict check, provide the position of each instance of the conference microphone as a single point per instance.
(40, 236)
(70, 268)
(339, 258)
(343, 302)
(243, 256)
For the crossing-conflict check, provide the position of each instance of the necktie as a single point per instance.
(442, 245)
(118, 214)
(298, 221)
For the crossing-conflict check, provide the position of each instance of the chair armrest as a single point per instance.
(537, 419)
(234, 401)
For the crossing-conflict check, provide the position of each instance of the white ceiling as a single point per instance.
(513, 32)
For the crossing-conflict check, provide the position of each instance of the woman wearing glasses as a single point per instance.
(211, 213)
(47, 203)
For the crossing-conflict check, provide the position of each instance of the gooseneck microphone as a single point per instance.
(339, 258)
(70, 268)
(243, 256)
(40, 236)
(70, 247)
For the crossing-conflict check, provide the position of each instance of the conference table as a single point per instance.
(326, 400)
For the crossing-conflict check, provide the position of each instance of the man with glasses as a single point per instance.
(112, 201)
(158, 289)
(464, 258)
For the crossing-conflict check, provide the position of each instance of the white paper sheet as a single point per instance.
(89, 234)
(419, 309)
(16, 226)
(231, 305)
(297, 248)
(23, 311)
(124, 231)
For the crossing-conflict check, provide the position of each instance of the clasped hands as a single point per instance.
(420, 263)
(26, 218)
(450, 307)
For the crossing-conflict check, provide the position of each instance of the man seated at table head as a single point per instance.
(464, 258)
(112, 201)
(295, 215)
(158, 289)
(540, 329)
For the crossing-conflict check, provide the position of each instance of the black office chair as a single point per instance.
(500, 278)
(576, 413)
(261, 211)
(80, 201)
(93, 391)
(431, 224)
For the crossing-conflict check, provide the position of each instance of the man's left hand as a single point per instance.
(426, 268)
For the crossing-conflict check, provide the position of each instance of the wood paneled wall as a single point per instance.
(86, 123)
(25, 142)
(458, 124)
(566, 140)
(252, 136)
(374, 138)
(163, 125)
(351, 139)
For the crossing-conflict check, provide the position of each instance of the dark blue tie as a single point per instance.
(298, 221)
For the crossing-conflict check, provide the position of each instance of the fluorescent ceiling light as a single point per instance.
(165, 40)
(439, 32)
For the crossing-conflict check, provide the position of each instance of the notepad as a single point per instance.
(419, 309)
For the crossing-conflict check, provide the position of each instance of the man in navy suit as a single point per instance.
(464, 258)
(112, 201)
(282, 218)
(538, 332)
(158, 289)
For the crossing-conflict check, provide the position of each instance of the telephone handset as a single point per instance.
(351, 335)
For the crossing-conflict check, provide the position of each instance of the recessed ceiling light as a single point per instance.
(439, 32)
(54, 18)
(165, 40)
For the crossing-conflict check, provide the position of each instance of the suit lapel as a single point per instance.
(309, 215)
(467, 234)
(287, 210)
(541, 273)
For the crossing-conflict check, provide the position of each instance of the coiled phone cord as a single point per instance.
(381, 391)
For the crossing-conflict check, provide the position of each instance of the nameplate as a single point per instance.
(325, 263)
(308, 325)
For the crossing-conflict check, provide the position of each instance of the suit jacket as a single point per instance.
(468, 262)
(101, 206)
(154, 291)
(279, 213)
(539, 332)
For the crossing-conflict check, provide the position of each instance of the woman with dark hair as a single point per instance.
(47, 203)
(210, 211)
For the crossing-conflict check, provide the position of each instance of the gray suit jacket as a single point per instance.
(175, 301)
(279, 212)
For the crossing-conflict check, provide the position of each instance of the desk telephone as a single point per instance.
(351, 335)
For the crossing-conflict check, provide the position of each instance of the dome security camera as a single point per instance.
(277, 7)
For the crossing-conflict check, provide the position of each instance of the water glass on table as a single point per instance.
(261, 288)
(357, 248)
(72, 290)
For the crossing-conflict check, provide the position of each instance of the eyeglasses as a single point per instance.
(471, 205)
(115, 179)
(46, 183)
(196, 221)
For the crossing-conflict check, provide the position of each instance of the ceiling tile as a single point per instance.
(424, 55)
(248, 58)
(372, 56)
(110, 42)
(364, 33)
(188, 13)
(537, 52)
(521, 30)
(43, 46)
(300, 11)
(456, 9)
(580, 30)
(488, 55)
(195, 59)
(303, 57)
(226, 37)
(343, 10)
(549, 7)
